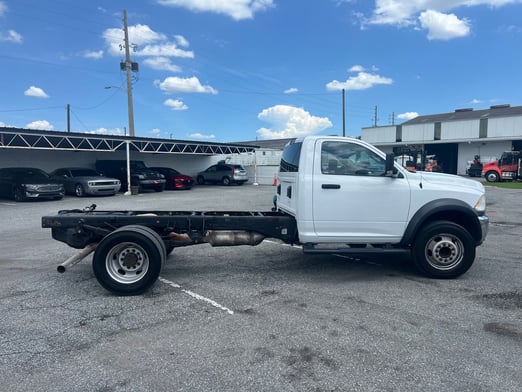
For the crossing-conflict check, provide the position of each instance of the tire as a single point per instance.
(443, 249)
(225, 181)
(18, 194)
(200, 180)
(492, 176)
(128, 261)
(78, 190)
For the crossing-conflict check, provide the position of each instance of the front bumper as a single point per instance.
(484, 226)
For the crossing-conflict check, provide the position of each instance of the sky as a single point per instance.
(244, 70)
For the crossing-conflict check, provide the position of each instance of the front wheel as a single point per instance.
(18, 194)
(200, 180)
(443, 249)
(128, 261)
(492, 176)
(79, 191)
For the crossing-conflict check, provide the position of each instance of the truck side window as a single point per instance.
(341, 158)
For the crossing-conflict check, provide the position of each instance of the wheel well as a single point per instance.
(462, 215)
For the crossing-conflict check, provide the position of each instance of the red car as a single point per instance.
(175, 180)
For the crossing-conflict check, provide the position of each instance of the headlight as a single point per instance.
(91, 183)
(161, 176)
(31, 187)
(480, 205)
(141, 176)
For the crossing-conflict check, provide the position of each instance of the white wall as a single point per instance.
(417, 133)
(505, 127)
(453, 130)
(379, 135)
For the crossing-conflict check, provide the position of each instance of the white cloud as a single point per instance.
(161, 63)
(40, 124)
(155, 131)
(356, 68)
(198, 135)
(11, 36)
(236, 9)
(290, 121)
(407, 116)
(443, 26)
(105, 131)
(2, 124)
(35, 92)
(291, 90)
(148, 42)
(475, 101)
(3, 8)
(410, 13)
(362, 81)
(182, 41)
(174, 84)
(175, 104)
(91, 54)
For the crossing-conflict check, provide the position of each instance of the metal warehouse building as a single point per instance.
(455, 137)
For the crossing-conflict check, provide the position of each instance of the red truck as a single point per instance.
(508, 167)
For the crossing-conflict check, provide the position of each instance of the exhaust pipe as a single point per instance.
(233, 238)
(75, 259)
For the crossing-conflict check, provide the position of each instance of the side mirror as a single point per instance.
(390, 165)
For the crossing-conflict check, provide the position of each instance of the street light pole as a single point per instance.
(128, 70)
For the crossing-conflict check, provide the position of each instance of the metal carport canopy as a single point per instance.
(17, 138)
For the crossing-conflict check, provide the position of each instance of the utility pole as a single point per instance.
(344, 116)
(375, 117)
(128, 70)
(68, 118)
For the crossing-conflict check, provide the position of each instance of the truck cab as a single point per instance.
(346, 191)
(508, 167)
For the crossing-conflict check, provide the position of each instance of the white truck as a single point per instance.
(334, 195)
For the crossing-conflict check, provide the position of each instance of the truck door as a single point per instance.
(351, 197)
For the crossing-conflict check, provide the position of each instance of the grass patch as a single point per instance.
(507, 185)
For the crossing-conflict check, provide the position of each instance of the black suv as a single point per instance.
(140, 174)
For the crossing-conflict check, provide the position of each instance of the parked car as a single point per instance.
(141, 175)
(26, 183)
(81, 181)
(223, 173)
(174, 179)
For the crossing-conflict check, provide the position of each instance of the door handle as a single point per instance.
(331, 186)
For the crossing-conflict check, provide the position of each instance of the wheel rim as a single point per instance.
(79, 190)
(492, 177)
(127, 263)
(226, 181)
(444, 251)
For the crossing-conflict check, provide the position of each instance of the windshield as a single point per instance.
(31, 174)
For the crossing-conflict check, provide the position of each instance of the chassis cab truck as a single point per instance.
(334, 195)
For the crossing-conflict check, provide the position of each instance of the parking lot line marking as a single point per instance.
(196, 295)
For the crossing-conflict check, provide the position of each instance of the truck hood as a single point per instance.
(450, 180)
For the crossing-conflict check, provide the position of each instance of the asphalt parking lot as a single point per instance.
(265, 318)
